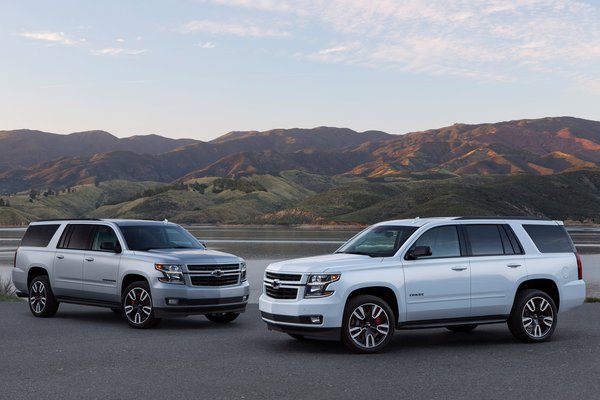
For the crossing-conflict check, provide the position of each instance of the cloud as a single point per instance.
(231, 28)
(280, 6)
(479, 39)
(117, 51)
(207, 45)
(51, 37)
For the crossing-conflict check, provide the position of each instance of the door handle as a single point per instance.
(60, 257)
(459, 268)
(90, 259)
(513, 265)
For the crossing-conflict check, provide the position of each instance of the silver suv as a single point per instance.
(142, 269)
(442, 272)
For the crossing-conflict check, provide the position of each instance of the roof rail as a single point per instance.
(506, 217)
(67, 219)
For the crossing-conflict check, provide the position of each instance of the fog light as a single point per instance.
(172, 302)
(315, 319)
(245, 298)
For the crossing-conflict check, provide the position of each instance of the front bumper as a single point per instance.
(299, 316)
(180, 300)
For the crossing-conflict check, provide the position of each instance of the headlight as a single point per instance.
(317, 285)
(172, 273)
(243, 271)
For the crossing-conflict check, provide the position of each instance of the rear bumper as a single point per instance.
(572, 295)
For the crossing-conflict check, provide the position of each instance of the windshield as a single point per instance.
(153, 237)
(379, 241)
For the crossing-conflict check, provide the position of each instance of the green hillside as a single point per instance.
(296, 197)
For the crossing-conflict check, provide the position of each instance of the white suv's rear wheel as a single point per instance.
(368, 325)
(533, 317)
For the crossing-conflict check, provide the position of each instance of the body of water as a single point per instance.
(260, 246)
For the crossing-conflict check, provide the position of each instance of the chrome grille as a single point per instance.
(284, 277)
(214, 274)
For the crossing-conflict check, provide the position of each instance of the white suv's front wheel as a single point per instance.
(368, 324)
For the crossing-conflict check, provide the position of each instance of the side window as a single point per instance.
(485, 240)
(443, 242)
(77, 237)
(105, 239)
(39, 235)
(550, 238)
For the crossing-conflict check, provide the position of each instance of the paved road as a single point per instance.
(89, 353)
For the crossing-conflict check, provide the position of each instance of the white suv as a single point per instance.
(442, 272)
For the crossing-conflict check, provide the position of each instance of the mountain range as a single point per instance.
(42, 160)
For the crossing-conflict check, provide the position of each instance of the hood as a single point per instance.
(191, 256)
(328, 263)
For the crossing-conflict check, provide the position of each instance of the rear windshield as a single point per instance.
(155, 237)
(379, 241)
(550, 238)
(39, 235)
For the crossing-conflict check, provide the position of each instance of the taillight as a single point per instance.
(579, 267)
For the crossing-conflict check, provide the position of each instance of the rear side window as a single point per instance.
(39, 235)
(492, 240)
(550, 238)
(77, 237)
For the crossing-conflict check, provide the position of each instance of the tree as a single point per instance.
(2, 204)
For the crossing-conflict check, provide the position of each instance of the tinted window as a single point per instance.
(442, 240)
(550, 238)
(39, 235)
(153, 237)
(77, 237)
(104, 237)
(485, 240)
(378, 241)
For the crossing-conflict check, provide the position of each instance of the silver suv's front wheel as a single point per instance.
(533, 317)
(137, 306)
(368, 325)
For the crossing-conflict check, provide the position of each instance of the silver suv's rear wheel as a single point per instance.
(137, 306)
(368, 324)
(533, 317)
(42, 302)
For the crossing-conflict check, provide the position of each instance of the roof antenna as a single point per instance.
(415, 220)
(165, 221)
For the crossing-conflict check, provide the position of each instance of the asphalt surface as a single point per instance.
(90, 353)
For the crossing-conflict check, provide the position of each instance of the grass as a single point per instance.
(8, 292)
(592, 299)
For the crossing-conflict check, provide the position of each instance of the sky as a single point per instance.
(201, 68)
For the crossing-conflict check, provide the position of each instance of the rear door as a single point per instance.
(68, 262)
(497, 262)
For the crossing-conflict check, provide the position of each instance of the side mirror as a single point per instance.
(203, 244)
(418, 251)
(110, 246)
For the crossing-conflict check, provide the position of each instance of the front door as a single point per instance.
(438, 285)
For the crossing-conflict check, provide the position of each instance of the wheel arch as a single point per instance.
(383, 292)
(547, 286)
(35, 272)
(129, 278)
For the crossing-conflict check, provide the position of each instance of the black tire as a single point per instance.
(42, 302)
(533, 317)
(137, 306)
(116, 310)
(222, 318)
(462, 328)
(368, 324)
